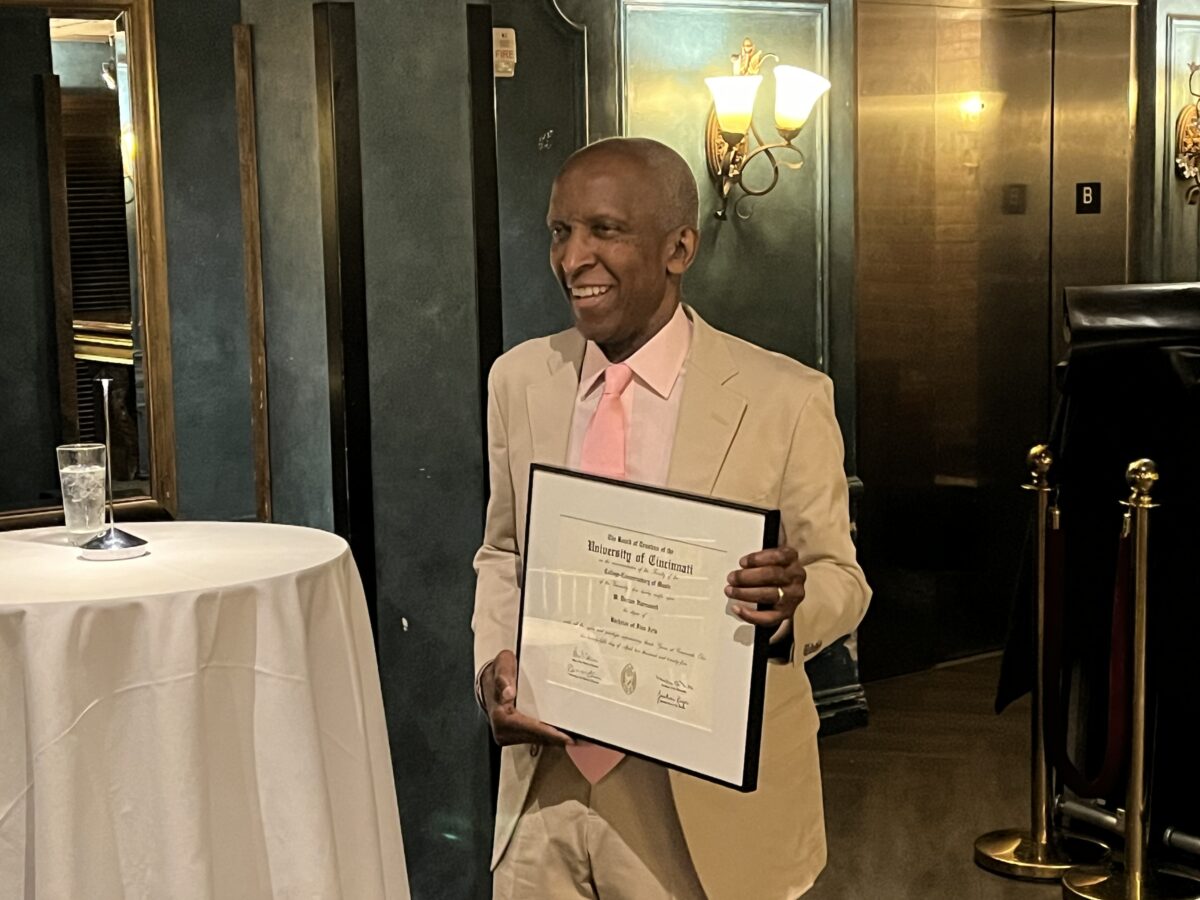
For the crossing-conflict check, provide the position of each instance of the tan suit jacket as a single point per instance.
(754, 427)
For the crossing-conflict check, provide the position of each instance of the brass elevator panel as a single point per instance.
(976, 130)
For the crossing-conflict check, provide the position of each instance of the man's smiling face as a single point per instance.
(610, 252)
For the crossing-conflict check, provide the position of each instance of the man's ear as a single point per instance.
(684, 243)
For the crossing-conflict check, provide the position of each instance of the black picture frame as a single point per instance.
(751, 745)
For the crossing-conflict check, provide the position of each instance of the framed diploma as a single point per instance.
(626, 637)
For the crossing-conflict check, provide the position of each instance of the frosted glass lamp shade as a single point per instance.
(733, 96)
(796, 92)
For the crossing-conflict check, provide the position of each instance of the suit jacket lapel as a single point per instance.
(709, 412)
(551, 401)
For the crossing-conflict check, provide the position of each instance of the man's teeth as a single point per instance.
(589, 291)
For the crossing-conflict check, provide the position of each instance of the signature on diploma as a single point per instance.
(583, 673)
(668, 698)
(678, 685)
(583, 656)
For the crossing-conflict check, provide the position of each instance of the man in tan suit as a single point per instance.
(705, 413)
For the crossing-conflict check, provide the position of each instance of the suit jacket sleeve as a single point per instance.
(815, 507)
(498, 562)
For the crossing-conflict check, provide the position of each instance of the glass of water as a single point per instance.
(81, 472)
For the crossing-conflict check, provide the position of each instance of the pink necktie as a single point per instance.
(603, 453)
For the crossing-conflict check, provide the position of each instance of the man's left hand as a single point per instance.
(774, 579)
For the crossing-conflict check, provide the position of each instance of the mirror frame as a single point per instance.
(152, 267)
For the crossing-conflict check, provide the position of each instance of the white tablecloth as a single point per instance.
(205, 721)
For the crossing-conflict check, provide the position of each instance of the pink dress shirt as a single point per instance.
(651, 401)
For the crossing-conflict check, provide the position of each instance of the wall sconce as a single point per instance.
(1187, 140)
(730, 124)
(971, 107)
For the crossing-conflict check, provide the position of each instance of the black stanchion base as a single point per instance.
(1014, 854)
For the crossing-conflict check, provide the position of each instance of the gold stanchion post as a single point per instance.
(1039, 853)
(1136, 880)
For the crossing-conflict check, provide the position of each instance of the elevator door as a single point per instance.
(975, 127)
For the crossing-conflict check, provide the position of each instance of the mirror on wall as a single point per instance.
(81, 253)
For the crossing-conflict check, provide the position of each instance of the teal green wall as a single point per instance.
(293, 271)
(427, 433)
(28, 345)
(209, 343)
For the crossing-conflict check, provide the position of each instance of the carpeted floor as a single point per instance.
(906, 796)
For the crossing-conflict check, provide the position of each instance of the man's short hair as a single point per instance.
(679, 200)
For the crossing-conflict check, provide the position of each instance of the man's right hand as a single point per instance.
(499, 688)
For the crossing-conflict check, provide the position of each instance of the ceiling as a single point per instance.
(89, 30)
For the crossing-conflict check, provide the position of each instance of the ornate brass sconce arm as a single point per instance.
(728, 160)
